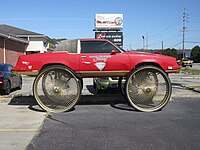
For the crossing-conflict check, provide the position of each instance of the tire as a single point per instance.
(81, 83)
(7, 89)
(121, 85)
(148, 88)
(56, 89)
(94, 84)
(20, 84)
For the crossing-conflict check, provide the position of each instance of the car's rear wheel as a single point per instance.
(148, 88)
(57, 89)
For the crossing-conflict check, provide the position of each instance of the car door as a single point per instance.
(96, 57)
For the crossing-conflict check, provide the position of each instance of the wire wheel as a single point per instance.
(148, 88)
(56, 89)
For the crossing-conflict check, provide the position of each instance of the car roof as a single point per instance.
(4, 67)
(2, 64)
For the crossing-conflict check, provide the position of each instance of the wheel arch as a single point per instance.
(148, 64)
(59, 64)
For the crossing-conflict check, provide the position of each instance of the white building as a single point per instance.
(37, 43)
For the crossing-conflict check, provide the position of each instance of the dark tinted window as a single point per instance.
(97, 47)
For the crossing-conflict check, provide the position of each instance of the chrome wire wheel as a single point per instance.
(56, 89)
(148, 88)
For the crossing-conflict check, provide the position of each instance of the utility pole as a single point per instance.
(162, 45)
(185, 19)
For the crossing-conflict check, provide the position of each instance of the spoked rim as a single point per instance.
(148, 89)
(56, 89)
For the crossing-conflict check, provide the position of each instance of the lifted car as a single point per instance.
(57, 86)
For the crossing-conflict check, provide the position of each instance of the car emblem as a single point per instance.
(29, 67)
(100, 65)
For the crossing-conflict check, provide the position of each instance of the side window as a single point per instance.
(96, 47)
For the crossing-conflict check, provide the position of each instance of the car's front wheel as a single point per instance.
(148, 88)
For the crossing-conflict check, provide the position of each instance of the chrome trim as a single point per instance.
(103, 73)
(173, 71)
(86, 62)
(25, 72)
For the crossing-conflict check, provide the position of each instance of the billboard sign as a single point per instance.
(114, 37)
(109, 21)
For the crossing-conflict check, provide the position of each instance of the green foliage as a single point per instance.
(170, 52)
(195, 54)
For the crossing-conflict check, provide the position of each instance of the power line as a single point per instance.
(166, 30)
(191, 42)
(176, 45)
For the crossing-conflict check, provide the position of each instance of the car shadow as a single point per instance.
(114, 99)
(11, 92)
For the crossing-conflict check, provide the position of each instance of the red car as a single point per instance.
(58, 84)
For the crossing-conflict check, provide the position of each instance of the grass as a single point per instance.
(190, 71)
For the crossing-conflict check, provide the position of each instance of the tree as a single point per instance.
(170, 52)
(195, 54)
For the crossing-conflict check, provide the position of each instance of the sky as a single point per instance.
(159, 21)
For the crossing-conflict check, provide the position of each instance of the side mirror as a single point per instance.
(113, 52)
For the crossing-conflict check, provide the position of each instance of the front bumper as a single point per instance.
(173, 71)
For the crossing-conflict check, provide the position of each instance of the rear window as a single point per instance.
(67, 45)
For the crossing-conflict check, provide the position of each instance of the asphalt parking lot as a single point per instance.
(117, 126)
(22, 118)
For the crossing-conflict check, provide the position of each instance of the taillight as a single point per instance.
(1, 74)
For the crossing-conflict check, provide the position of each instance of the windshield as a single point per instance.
(122, 49)
(185, 59)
